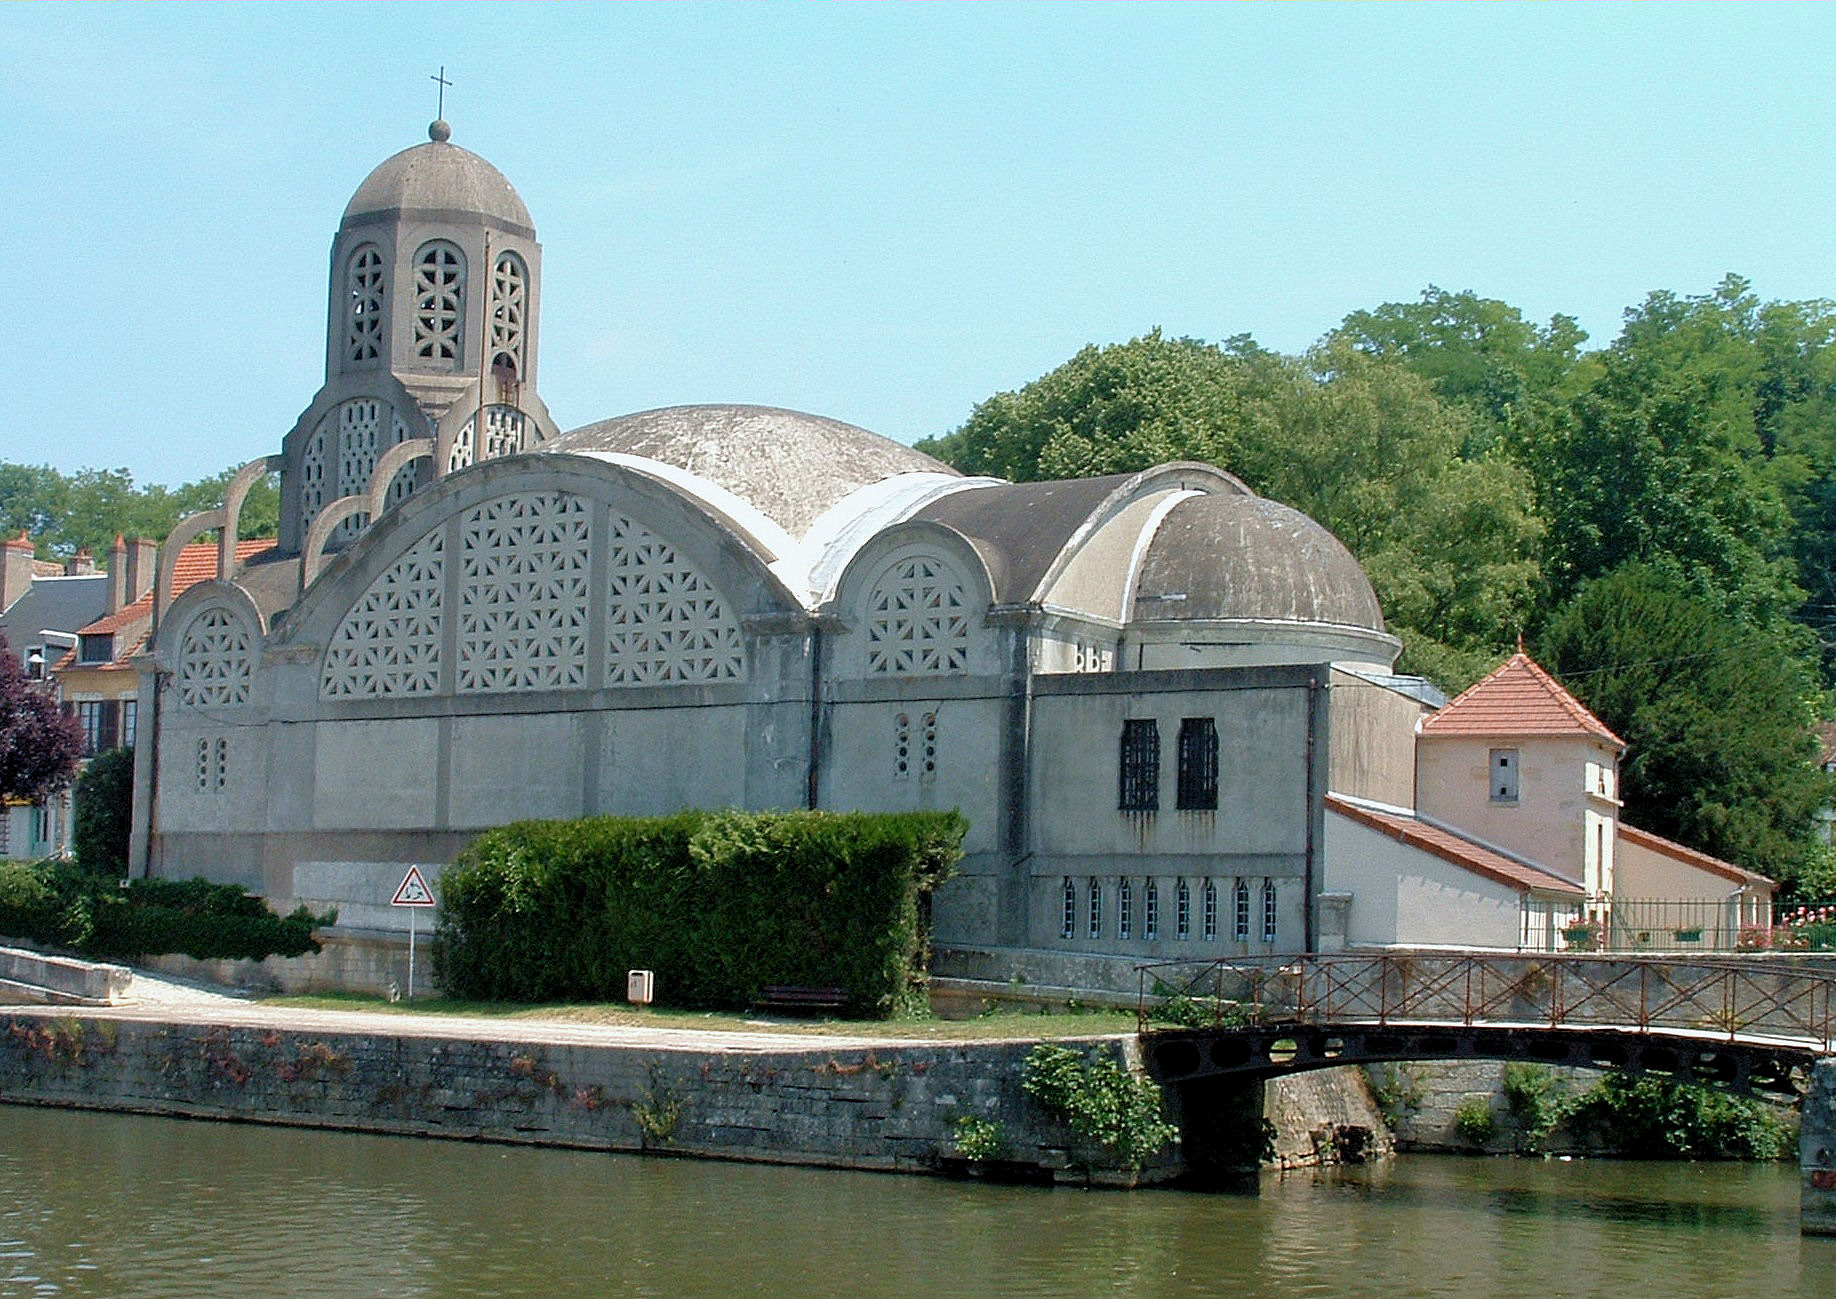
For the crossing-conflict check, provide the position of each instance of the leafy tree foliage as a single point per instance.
(1477, 351)
(39, 747)
(104, 813)
(1717, 717)
(1660, 459)
(88, 509)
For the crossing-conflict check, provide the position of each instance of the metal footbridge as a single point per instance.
(1753, 1025)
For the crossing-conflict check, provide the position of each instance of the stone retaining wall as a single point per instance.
(892, 1108)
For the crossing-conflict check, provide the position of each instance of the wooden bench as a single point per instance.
(792, 998)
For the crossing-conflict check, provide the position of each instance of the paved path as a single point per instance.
(163, 999)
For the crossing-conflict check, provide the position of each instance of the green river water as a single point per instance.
(112, 1205)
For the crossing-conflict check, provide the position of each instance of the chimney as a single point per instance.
(81, 564)
(142, 556)
(117, 574)
(15, 570)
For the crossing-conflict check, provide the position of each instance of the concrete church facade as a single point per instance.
(1126, 684)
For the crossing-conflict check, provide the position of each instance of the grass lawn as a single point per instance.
(993, 1025)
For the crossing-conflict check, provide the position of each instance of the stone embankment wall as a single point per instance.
(1325, 1117)
(892, 1108)
(1817, 1153)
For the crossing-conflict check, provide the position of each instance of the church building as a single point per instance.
(1138, 689)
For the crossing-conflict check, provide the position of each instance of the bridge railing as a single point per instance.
(1731, 1000)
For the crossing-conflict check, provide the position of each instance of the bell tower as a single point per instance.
(431, 336)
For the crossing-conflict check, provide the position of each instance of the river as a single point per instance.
(120, 1206)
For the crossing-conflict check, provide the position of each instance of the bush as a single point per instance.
(1475, 1122)
(1655, 1118)
(1101, 1101)
(104, 813)
(62, 906)
(720, 904)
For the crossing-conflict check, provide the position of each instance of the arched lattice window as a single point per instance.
(365, 293)
(215, 661)
(1211, 912)
(1240, 908)
(312, 476)
(665, 622)
(439, 302)
(1269, 913)
(523, 566)
(389, 643)
(1096, 909)
(1125, 908)
(917, 620)
(509, 309)
(1182, 911)
(1150, 907)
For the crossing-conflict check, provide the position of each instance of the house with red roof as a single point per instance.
(1514, 840)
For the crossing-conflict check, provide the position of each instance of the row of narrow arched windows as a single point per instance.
(438, 309)
(1139, 915)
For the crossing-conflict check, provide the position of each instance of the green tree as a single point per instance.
(1660, 459)
(1473, 350)
(104, 813)
(1716, 715)
(1112, 409)
(89, 509)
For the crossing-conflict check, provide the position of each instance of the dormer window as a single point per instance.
(1504, 775)
(96, 647)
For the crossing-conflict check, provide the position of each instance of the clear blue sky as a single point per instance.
(880, 213)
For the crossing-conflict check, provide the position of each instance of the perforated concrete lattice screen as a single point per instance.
(389, 643)
(363, 332)
(439, 284)
(523, 594)
(918, 620)
(215, 661)
(665, 621)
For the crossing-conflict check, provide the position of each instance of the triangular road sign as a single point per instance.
(413, 892)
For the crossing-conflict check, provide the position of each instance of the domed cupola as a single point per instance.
(430, 336)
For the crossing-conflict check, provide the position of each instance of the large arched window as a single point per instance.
(439, 302)
(365, 293)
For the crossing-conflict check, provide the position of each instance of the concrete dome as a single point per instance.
(789, 466)
(439, 179)
(1224, 557)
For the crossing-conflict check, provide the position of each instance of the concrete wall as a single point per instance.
(1548, 822)
(1401, 894)
(1817, 1152)
(1373, 741)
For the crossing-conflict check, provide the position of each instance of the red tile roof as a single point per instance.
(1690, 857)
(196, 563)
(1451, 846)
(1518, 698)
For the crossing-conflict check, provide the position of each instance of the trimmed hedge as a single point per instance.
(104, 813)
(720, 904)
(63, 906)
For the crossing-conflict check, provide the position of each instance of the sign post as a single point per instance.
(413, 894)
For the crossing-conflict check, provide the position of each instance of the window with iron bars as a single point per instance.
(1125, 909)
(1211, 912)
(1182, 911)
(1198, 765)
(1241, 920)
(1096, 909)
(1070, 925)
(1140, 767)
(1150, 920)
(1268, 911)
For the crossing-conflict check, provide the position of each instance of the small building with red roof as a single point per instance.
(1515, 836)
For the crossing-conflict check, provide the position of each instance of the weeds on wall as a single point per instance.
(720, 904)
(1100, 1101)
(1644, 1117)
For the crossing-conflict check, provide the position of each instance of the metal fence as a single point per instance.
(1728, 1000)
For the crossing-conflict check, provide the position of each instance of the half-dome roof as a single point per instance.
(788, 465)
(1228, 557)
(439, 179)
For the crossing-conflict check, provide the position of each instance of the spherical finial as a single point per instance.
(439, 132)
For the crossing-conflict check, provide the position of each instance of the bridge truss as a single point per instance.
(1742, 1025)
